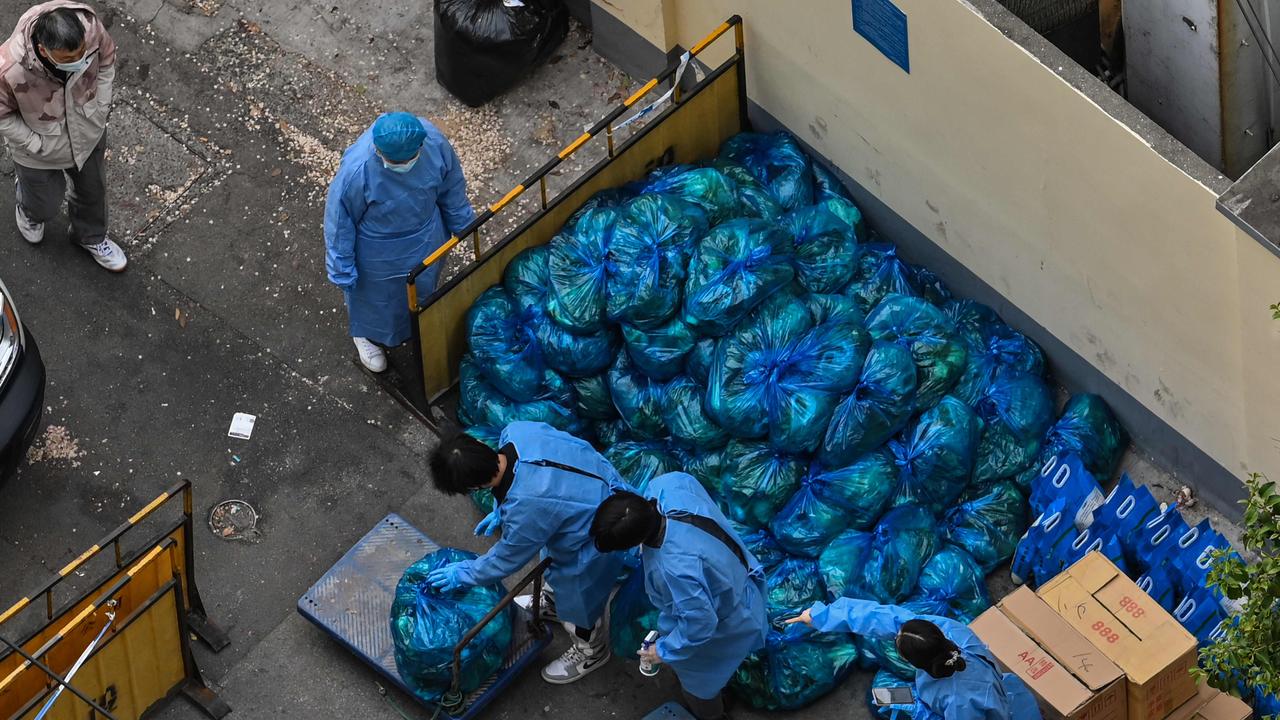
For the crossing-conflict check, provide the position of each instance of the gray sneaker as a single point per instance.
(546, 608)
(577, 662)
(32, 232)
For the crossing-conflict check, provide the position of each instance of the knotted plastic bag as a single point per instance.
(988, 522)
(825, 248)
(480, 403)
(706, 187)
(879, 406)
(935, 455)
(735, 267)
(903, 541)
(758, 481)
(1017, 410)
(761, 544)
(797, 666)
(697, 364)
(777, 162)
(953, 580)
(705, 465)
(426, 625)
(631, 615)
(792, 587)
(577, 265)
(878, 274)
(754, 200)
(660, 352)
(503, 339)
(647, 258)
(683, 413)
(592, 397)
(829, 501)
(484, 47)
(638, 398)
(841, 565)
(639, 461)
(929, 335)
(1089, 429)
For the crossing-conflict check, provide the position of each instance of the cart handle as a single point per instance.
(534, 576)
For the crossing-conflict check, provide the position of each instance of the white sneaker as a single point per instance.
(577, 662)
(371, 356)
(546, 608)
(108, 254)
(32, 232)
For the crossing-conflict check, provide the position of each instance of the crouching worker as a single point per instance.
(707, 587)
(546, 486)
(956, 675)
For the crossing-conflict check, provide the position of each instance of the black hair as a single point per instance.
(59, 30)
(624, 520)
(461, 463)
(922, 644)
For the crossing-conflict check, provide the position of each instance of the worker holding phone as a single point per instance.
(956, 675)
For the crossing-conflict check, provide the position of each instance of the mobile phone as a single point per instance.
(901, 695)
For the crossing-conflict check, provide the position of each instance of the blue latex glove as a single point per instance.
(446, 579)
(490, 524)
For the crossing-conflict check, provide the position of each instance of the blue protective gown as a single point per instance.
(379, 225)
(979, 692)
(550, 510)
(710, 608)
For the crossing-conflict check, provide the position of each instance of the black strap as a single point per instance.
(712, 528)
(566, 468)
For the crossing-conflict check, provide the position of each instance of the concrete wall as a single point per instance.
(1036, 193)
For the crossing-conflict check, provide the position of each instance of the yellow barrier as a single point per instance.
(140, 617)
(689, 130)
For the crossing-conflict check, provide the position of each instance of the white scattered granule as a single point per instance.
(56, 444)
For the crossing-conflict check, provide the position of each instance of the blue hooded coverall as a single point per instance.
(551, 508)
(379, 225)
(979, 692)
(710, 608)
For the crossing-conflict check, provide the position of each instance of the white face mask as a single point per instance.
(403, 167)
(73, 67)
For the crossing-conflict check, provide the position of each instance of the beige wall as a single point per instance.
(1065, 211)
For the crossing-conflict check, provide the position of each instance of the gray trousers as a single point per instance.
(40, 194)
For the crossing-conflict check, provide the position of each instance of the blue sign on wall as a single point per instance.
(885, 27)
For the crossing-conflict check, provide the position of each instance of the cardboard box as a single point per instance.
(1069, 677)
(1210, 704)
(1132, 630)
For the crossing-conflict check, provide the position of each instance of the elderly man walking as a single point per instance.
(56, 72)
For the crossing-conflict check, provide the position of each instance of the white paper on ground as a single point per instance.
(242, 425)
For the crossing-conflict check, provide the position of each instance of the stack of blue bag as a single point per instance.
(871, 435)
(1168, 558)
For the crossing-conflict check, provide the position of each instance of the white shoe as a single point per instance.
(577, 662)
(546, 608)
(371, 356)
(32, 232)
(108, 254)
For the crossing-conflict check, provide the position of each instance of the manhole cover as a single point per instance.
(234, 520)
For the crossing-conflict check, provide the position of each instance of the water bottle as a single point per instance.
(648, 669)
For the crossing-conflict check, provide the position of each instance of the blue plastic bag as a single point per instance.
(592, 399)
(706, 187)
(610, 432)
(829, 501)
(480, 403)
(639, 461)
(904, 540)
(1047, 540)
(1158, 536)
(631, 615)
(935, 455)
(953, 580)
(762, 546)
(575, 355)
(1089, 429)
(930, 336)
(1064, 476)
(577, 265)
(930, 286)
(638, 398)
(988, 523)
(880, 273)
(885, 650)
(697, 364)
(733, 269)
(825, 248)
(834, 307)
(1127, 509)
(1085, 542)
(826, 186)
(1016, 410)
(754, 199)
(797, 666)
(877, 409)
(758, 481)
(660, 352)
(706, 465)
(1201, 615)
(841, 564)
(683, 413)
(648, 256)
(426, 625)
(792, 587)
(777, 162)
(503, 340)
(886, 679)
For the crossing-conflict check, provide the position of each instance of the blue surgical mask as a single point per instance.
(403, 167)
(77, 66)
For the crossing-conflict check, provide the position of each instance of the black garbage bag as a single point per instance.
(880, 273)
(826, 247)
(1089, 429)
(480, 403)
(484, 47)
(797, 666)
(426, 625)
(754, 200)
(593, 401)
(758, 481)
(683, 413)
(577, 267)
(903, 541)
(877, 409)
(706, 187)
(792, 587)
(697, 364)
(930, 336)
(660, 352)
(988, 522)
(829, 501)
(503, 339)
(777, 162)
(648, 256)
(935, 455)
(841, 565)
(639, 461)
(638, 398)
(734, 268)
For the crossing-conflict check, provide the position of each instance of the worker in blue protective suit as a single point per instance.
(956, 675)
(398, 195)
(546, 486)
(706, 585)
